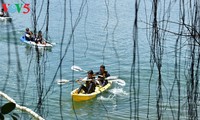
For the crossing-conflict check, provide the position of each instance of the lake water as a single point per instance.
(29, 75)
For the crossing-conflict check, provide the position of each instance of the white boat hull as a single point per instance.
(23, 39)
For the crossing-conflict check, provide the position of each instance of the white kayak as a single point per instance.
(23, 39)
(6, 19)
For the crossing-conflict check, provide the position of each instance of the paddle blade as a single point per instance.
(53, 43)
(62, 82)
(76, 68)
(112, 77)
(120, 82)
(49, 42)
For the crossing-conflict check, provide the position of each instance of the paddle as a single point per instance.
(119, 82)
(63, 81)
(108, 78)
(77, 68)
(49, 42)
(111, 78)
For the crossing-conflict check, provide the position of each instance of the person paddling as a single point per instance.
(102, 74)
(90, 84)
(39, 38)
(28, 34)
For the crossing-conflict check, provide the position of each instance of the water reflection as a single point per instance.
(84, 104)
(39, 50)
(37, 59)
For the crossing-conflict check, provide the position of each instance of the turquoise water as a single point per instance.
(91, 49)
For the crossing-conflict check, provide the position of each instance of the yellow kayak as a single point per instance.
(83, 97)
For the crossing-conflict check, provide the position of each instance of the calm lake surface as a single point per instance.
(97, 37)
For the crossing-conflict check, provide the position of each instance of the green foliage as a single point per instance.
(7, 109)
(1, 116)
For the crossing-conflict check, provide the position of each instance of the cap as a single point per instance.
(90, 72)
(102, 66)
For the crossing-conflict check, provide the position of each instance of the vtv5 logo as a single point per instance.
(20, 8)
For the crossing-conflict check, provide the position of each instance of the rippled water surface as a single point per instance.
(103, 35)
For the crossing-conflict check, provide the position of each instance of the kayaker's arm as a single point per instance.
(80, 81)
(83, 80)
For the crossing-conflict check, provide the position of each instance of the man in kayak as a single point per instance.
(90, 83)
(102, 74)
(39, 38)
(2, 13)
(28, 34)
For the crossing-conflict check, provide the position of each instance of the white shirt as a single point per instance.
(1, 13)
(27, 35)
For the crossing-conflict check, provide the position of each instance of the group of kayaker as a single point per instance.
(91, 82)
(34, 38)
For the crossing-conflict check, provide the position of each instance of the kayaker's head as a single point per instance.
(102, 68)
(2, 10)
(90, 73)
(27, 29)
(40, 32)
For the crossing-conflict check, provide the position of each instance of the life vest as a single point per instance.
(104, 74)
(88, 82)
